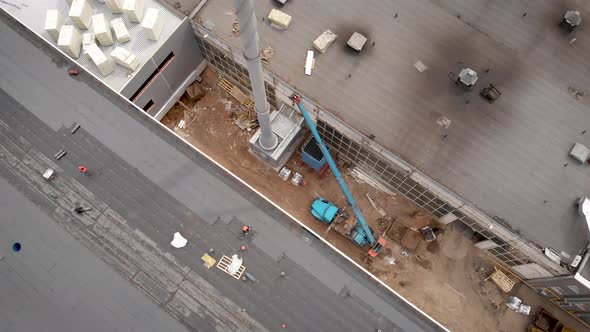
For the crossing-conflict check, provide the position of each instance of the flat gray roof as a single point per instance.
(507, 158)
(145, 184)
(32, 14)
(56, 284)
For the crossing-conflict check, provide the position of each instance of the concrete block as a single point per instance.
(357, 41)
(152, 24)
(279, 19)
(69, 41)
(103, 63)
(133, 9)
(81, 13)
(88, 38)
(120, 30)
(580, 153)
(125, 58)
(53, 23)
(102, 30)
(116, 6)
(324, 41)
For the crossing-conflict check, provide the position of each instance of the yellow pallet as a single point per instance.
(208, 261)
(225, 85)
(224, 262)
(249, 103)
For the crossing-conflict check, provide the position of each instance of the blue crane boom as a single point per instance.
(362, 228)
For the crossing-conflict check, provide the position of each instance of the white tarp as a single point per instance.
(234, 266)
(178, 241)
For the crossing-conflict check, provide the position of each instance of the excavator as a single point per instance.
(322, 209)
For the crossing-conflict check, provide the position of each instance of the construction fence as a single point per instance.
(525, 258)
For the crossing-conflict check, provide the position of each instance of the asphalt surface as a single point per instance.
(505, 158)
(143, 185)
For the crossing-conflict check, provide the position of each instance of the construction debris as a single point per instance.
(420, 66)
(362, 177)
(444, 122)
(501, 280)
(516, 304)
(235, 29)
(248, 276)
(195, 92)
(490, 93)
(285, 173)
(468, 77)
(297, 179)
(428, 233)
(235, 92)
(60, 154)
(246, 121)
(238, 94)
(266, 54)
(309, 63)
(579, 95)
(376, 206)
(279, 19)
(324, 41)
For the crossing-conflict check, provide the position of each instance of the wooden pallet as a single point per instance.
(225, 85)
(228, 87)
(224, 262)
(249, 103)
(502, 280)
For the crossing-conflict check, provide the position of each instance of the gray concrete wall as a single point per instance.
(187, 57)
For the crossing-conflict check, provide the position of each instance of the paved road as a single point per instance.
(144, 185)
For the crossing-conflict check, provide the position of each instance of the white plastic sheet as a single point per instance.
(235, 264)
(178, 241)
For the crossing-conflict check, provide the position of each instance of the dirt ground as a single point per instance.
(444, 278)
